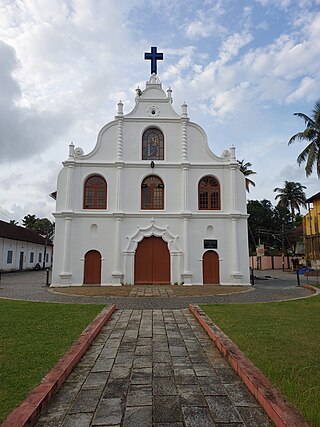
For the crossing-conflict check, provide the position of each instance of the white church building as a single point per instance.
(151, 204)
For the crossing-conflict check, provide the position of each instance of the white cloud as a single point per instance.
(24, 131)
(206, 22)
(232, 45)
(186, 60)
(263, 25)
(283, 4)
(66, 70)
(230, 101)
(275, 73)
(307, 88)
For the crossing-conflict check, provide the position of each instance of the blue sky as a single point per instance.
(243, 68)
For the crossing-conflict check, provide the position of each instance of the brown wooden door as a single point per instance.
(210, 268)
(92, 268)
(152, 262)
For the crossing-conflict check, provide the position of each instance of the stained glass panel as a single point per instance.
(152, 145)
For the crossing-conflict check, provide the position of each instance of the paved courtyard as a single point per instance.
(153, 368)
(271, 286)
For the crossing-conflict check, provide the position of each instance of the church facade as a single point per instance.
(151, 204)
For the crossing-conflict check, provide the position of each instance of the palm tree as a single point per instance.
(29, 221)
(311, 154)
(291, 196)
(244, 168)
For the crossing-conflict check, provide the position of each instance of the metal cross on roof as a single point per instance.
(154, 56)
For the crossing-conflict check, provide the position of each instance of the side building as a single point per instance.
(22, 249)
(311, 228)
(151, 204)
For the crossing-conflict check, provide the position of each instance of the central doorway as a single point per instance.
(152, 262)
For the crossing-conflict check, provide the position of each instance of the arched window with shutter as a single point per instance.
(95, 193)
(152, 193)
(152, 144)
(209, 193)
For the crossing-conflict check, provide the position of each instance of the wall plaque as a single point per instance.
(210, 244)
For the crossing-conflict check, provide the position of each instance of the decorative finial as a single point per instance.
(184, 112)
(232, 152)
(71, 149)
(120, 108)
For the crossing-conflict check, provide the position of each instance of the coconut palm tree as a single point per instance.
(29, 221)
(311, 134)
(291, 196)
(244, 168)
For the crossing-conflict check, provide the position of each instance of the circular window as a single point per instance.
(153, 111)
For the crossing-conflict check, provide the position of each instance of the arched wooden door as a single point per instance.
(92, 268)
(210, 268)
(152, 262)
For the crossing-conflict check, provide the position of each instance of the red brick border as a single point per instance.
(312, 288)
(27, 413)
(278, 410)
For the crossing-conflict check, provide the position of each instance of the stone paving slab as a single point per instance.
(153, 368)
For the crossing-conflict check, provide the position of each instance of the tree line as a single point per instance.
(41, 226)
(272, 226)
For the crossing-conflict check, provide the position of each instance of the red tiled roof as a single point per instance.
(14, 232)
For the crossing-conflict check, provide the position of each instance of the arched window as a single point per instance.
(152, 144)
(152, 193)
(209, 193)
(95, 193)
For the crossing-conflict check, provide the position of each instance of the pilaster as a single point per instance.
(186, 274)
(66, 275)
(117, 274)
(235, 273)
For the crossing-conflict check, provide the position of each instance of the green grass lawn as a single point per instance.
(283, 340)
(33, 337)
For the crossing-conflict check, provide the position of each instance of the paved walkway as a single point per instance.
(153, 368)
